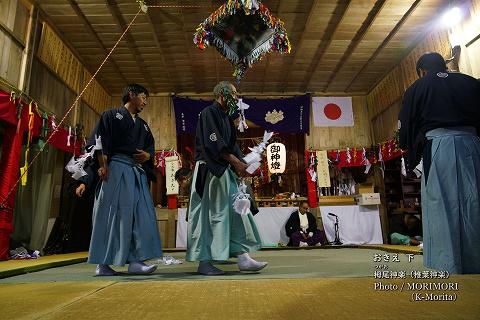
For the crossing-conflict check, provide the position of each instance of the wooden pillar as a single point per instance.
(379, 182)
(29, 51)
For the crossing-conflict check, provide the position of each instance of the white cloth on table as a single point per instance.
(270, 223)
(357, 224)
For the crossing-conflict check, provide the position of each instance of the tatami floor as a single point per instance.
(306, 284)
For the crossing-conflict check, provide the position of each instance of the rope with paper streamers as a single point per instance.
(2, 204)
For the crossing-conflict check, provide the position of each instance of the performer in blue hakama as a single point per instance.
(124, 219)
(440, 122)
(215, 231)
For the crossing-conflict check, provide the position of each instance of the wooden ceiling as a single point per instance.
(338, 46)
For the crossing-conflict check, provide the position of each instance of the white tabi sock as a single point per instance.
(104, 270)
(139, 267)
(246, 263)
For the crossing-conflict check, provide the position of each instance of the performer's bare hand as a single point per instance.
(80, 190)
(141, 156)
(103, 173)
(241, 169)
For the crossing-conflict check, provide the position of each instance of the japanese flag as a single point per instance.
(332, 111)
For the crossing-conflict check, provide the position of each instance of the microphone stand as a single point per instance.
(337, 241)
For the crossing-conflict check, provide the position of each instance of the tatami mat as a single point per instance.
(332, 298)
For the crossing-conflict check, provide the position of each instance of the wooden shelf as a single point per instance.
(416, 181)
(401, 202)
(336, 200)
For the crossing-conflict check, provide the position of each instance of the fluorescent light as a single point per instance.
(452, 17)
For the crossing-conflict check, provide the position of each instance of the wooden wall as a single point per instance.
(50, 92)
(341, 137)
(160, 116)
(467, 35)
(13, 33)
(57, 76)
(384, 100)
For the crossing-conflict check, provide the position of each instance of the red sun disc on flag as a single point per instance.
(332, 111)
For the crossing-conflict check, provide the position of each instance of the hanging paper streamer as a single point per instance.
(255, 156)
(241, 202)
(380, 159)
(171, 166)
(349, 157)
(160, 156)
(69, 135)
(365, 161)
(52, 123)
(242, 124)
(311, 185)
(323, 172)
(76, 165)
(403, 168)
(312, 163)
(418, 169)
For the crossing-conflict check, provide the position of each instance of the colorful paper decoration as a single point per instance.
(243, 31)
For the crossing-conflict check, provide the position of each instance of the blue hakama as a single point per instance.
(215, 230)
(124, 219)
(450, 201)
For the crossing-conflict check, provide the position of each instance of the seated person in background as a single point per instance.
(301, 228)
(405, 229)
(183, 176)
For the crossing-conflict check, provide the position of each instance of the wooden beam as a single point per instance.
(160, 50)
(410, 48)
(188, 45)
(333, 25)
(277, 13)
(28, 54)
(392, 33)
(94, 34)
(118, 17)
(9, 33)
(372, 15)
(293, 59)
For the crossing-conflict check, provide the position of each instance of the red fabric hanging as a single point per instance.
(8, 110)
(59, 140)
(9, 171)
(311, 185)
(160, 159)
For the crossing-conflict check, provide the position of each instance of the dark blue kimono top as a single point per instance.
(121, 135)
(215, 135)
(438, 100)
